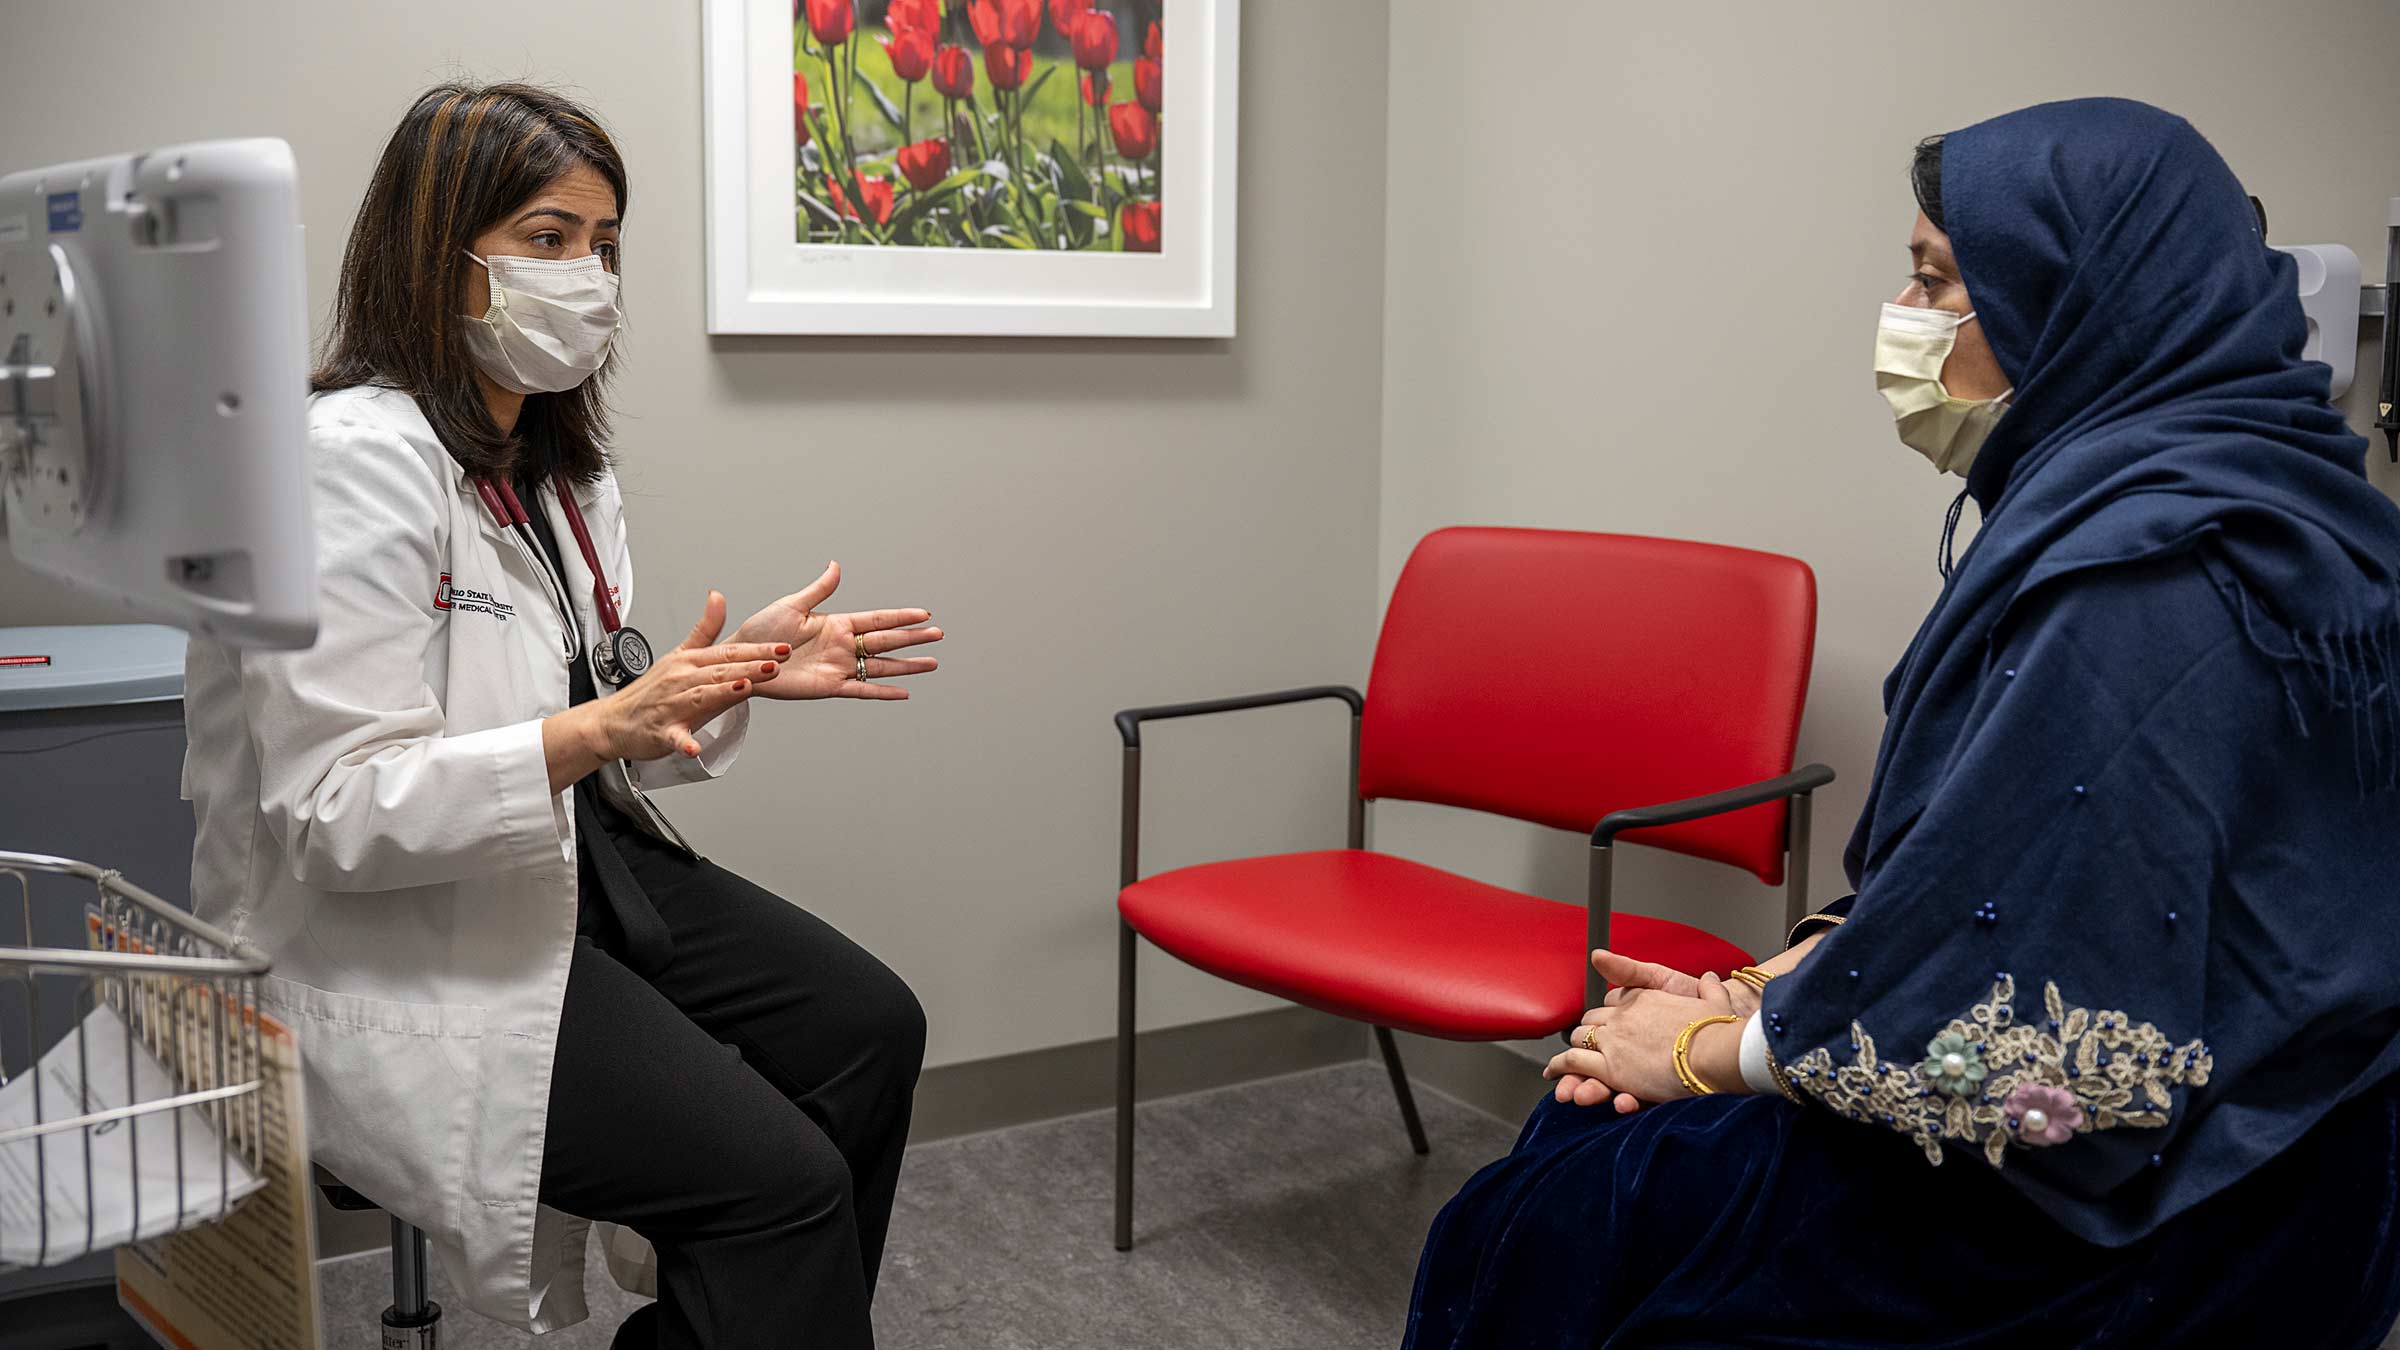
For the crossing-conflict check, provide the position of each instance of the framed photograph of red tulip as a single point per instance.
(990, 167)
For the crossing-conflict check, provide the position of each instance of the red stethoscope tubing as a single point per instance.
(501, 500)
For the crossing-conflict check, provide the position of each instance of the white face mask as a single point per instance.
(1910, 347)
(550, 323)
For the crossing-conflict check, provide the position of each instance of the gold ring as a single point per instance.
(1590, 1038)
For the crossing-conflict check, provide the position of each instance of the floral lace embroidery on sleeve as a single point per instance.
(1990, 1079)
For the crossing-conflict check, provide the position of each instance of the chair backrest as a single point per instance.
(1556, 676)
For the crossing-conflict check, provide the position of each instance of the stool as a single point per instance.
(414, 1321)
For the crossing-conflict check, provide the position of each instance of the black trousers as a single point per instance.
(743, 1107)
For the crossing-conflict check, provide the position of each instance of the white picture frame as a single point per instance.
(762, 280)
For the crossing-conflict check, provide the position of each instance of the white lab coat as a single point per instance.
(375, 812)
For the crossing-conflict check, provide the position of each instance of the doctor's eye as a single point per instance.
(549, 239)
(607, 252)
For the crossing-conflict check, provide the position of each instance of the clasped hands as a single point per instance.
(1628, 1056)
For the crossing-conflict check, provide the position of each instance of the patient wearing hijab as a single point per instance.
(2101, 1051)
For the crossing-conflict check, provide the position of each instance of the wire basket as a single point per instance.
(129, 1067)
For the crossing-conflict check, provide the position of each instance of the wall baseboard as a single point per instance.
(1065, 1080)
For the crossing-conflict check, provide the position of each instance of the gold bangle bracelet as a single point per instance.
(1754, 977)
(1691, 1080)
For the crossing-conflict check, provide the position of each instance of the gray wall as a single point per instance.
(1633, 258)
(1098, 524)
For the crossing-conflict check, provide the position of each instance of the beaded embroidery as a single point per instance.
(2118, 1071)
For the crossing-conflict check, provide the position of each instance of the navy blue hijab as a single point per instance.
(2160, 407)
(2138, 758)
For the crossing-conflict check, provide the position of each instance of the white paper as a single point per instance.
(133, 1162)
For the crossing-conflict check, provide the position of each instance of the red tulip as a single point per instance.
(911, 53)
(1097, 96)
(1135, 129)
(1005, 23)
(919, 16)
(954, 72)
(1064, 13)
(924, 164)
(878, 193)
(1008, 66)
(1095, 40)
(1141, 227)
(1152, 46)
(799, 108)
(1149, 77)
(830, 21)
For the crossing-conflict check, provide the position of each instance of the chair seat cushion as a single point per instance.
(1396, 943)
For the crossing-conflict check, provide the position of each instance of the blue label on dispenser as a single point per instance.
(66, 212)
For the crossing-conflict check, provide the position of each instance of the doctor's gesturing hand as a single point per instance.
(656, 715)
(838, 655)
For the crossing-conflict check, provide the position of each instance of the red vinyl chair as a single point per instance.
(1640, 689)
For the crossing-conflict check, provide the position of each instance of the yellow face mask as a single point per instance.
(1910, 346)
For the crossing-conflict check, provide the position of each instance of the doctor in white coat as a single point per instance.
(524, 1003)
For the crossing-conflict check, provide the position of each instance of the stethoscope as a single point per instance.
(622, 654)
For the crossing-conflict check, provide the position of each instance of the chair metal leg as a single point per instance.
(1408, 1100)
(1795, 896)
(1125, 955)
(1599, 899)
(1357, 834)
(1129, 866)
(414, 1321)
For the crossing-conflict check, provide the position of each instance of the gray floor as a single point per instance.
(1285, 1213)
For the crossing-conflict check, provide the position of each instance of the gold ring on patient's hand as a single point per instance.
(1589, 1039)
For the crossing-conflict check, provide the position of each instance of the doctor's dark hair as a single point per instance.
(1925, 178)
(463, 158)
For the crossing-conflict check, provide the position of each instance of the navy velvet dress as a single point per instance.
(2131, 856)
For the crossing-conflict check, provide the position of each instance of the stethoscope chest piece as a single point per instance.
(621, 657)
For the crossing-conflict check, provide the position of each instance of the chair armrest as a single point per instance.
(1129, 726)
(1807, 778)
(1129, 722)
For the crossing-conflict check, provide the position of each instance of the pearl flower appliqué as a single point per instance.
(1954, 1065)
(2043, 1115)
